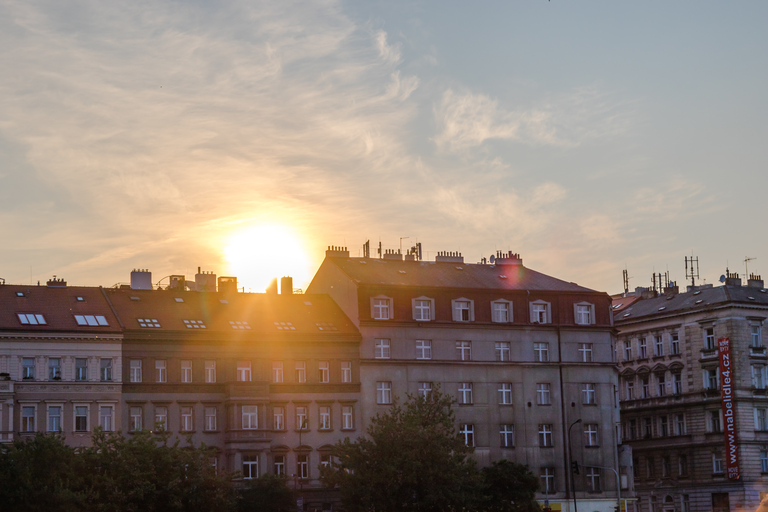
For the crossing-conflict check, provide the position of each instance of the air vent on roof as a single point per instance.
(751, 298)
(627, 314)
(662, 308)
(459, 268)
(670, 297)
(763, 290)
(699, 301)
(178, 299)
(133, 297)
(697, 292)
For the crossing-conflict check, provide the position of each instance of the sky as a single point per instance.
(246, 137)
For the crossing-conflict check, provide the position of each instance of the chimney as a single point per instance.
(671, 289)
(205, 281)
(391, 254)
(178, 282)
(141, 279)
(272, 288)
(509, 258)
(227, 284)
(336, 252)
(56, 283)
(449, 257)
(286, 285)
(755, 281)
(732, 279)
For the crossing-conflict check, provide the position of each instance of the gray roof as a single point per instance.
(701, 299)
(372, 271)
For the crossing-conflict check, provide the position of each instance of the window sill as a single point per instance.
(211, 431)
(592, 447)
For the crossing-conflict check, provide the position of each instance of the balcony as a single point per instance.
(246, 436)
(708, 353)
(757, 352)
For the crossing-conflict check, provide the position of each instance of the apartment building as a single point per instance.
(528, 357)
(694, 406)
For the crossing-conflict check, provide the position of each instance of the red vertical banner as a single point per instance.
(727, 380)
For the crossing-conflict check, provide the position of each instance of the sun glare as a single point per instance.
(259, 254)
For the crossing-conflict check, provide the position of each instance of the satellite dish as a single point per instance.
(492, 258)
(722, 278)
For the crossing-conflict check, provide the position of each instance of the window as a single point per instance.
(161, 418)
(106, 415)
(239, 324)
(658, 346)
(347, 417)
(301, 372)
(543, 393)
(31, 319)
(464, 350)
(324, 372)
(250, 467)
(717, 463)
(709, 338)
(711, 378)
(643, 349)
(541, 352)
(468, 433)
(277, 371)
(148, 323)
(244, 371)
(463, 310)
(682, 465)
(54, 418)
(27, 419)
(210, 418)
(680, 424)
(677, 384)
(758, 376)
(502, 351)
(135, 373)
(325, 460)
(278, 418)
(161, 374)
(423, 309)
(81, 369)
(325, 417)
(663, 425)
(186, 418)
(647, 428)
(302, 466)
(764, 460)
(505, 393)
(585, 352)
(194, 324)
(545, 435)
(645, 386)
(507, 435)
(54, 368)
(761, 418)
(632, 429)
(501, 311)
(593, 479)
(210, 372)
(590, 434)
(540, 312)
(381, 308)
(423, 349)
(279, 465)
(302, 420)
(547, 478)
(756, 336)
(250, 417)
(186, 371)
(383, 392)
(90, 320)
(628, 350)
(661, 384)
(588, 394)
(136, 417)
(346, 371)
(382, 349)
(675, 343)
(713, 421)
(465, 393)
(106, 370)
(584, 313)
(425, 388)
(81, 418)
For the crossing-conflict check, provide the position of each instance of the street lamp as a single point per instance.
(618, 485)
(570, 462)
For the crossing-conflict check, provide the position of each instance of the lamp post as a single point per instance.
(618, 485)
(299, 472)
(570, 462)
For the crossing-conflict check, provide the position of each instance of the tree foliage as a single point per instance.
(508, 487)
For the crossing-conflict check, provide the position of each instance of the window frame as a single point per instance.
(423, 350)
(347, 417)
(589, 393)
(210, 371)
(505, 393)
(300, 371)
(383, 392)
(249, 417)
(382, 308)
(503, 350)
(464, 350)
(419, 306)
(244, 371)
(161, 370)
(324, 372)
(346, 372)
(136, 419)
(507, 435)
(541, 351)
(540, 312)
(582, 309)
(458, 309)
(465, 393)
(135, 369)
(186, 370)
(543, 393)
(211, 420)
(382, 348)
(507, 311)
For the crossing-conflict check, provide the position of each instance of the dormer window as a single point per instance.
(463, 310)
(584, 313)
(501, 311)
(31, 319)
(541, 312)
(381, 308)
(423, 309)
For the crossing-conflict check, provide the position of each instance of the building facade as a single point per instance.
(529, 359)
(687, 421)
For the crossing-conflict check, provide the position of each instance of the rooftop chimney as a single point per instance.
(141, 279)
(272, 288)
(732, 279)
(286, 285)
(671, 289)
(177, 282)
(56, 283)
(205, 281)
(227, 284)
(336, 252)
(755, 281)
(509, 258)
(449, 257)
(391, 254)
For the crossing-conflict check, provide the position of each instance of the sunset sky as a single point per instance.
(245, 137)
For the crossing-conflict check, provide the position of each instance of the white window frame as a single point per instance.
(642, 350)
(249, 415)
(54, 370)
(584, 313)
(468, 432)
(674, 343)
(425, 388)
(187, 418)
(589, 393)
(107, 422)
(324, 413)
(709, 338)
(503, 351)
(302, 418)
(593, 479)
(764, 460)
(186, 371)
(279, 465)
(761, 419)
(710, 378)
(630, 388)
(591, 434)
(105, 369)
(540, 312)
(210, 371)
(381, 348)
(346, 372)
(543, 393)
(81, 372)
(136, 419)
(347, 417)
(211, 418)
(464, 350)
(680, 429)
(302, 466)
(755, 335)
(759, 376)
(383, 392)
(26, 423)
(324, 372)
(86, 417)
(717, 464)
(278, 418)
(465, 393)
(658, 345)
(463, 310)
(161, 417)
(382, 308)
(507, 435)
(547, 478)
(277, 372)
(54, 422)
(545, 435)
(585, 351)
(505, 393)
(541, 351)
(135, 365)
(301, 371)
(250, 467)
(423, 349)
(423, 309)
(627, 350)
(161, 370)
(244, 373)
(502, 312)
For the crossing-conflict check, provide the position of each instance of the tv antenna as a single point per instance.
(625, 278)
(747, 259)
(692, 269)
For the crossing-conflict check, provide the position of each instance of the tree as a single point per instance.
(268, 493)
(509, 487)
(411, 459)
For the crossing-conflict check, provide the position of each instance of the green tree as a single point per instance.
(508, 487)
(411, 459)
(268, 493)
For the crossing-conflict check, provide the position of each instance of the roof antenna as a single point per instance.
(692, 269)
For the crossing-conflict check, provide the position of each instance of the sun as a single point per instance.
(258, 254)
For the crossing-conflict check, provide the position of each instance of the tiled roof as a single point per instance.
(164, 310)
(449, 275)
(60, 307)
(700, 299)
